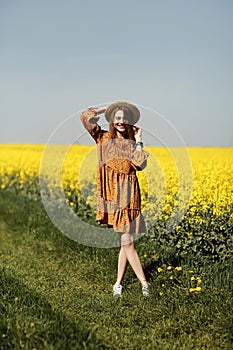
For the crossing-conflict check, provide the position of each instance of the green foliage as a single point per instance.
(201, 233)
(57, 294)
(29, 321)
(204, 235)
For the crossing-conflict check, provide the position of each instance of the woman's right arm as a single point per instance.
(89, 119)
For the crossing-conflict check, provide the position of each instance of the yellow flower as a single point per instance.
(193, 278)
(159, 269)
(171, 277)
(197, 289)
(199, 280)
(169, 268)
(163, 285)
(161, 294)
(145, 255)
(178, 268)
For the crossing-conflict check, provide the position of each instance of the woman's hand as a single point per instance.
(101, 110)
(137, 133)
(98, 110)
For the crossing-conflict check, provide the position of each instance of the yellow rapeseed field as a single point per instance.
(187, 194)
(212, 172)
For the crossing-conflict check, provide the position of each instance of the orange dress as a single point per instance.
(118, 192)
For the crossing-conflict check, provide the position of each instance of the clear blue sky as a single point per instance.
(175, 56)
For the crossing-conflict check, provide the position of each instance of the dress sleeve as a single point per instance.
(139, 159)
(89, 119)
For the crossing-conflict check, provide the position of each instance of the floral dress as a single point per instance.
(118, 192)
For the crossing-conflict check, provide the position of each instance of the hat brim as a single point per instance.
(134, 110)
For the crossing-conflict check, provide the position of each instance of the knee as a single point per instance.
(126, 240)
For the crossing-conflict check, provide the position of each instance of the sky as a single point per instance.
(174, 57)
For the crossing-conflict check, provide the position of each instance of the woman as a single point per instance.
(120, 154)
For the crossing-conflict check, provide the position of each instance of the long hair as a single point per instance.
(129, 131)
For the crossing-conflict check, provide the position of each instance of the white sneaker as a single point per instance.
(145, 291)
(117, 290)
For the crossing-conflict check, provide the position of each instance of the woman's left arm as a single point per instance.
(139, 156)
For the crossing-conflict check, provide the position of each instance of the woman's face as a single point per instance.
(119, 121)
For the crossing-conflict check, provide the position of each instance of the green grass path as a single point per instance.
(57, 294)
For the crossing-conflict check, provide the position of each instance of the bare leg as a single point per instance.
(132, 257)
(122, 264)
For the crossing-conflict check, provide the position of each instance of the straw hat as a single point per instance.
(134, 110)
